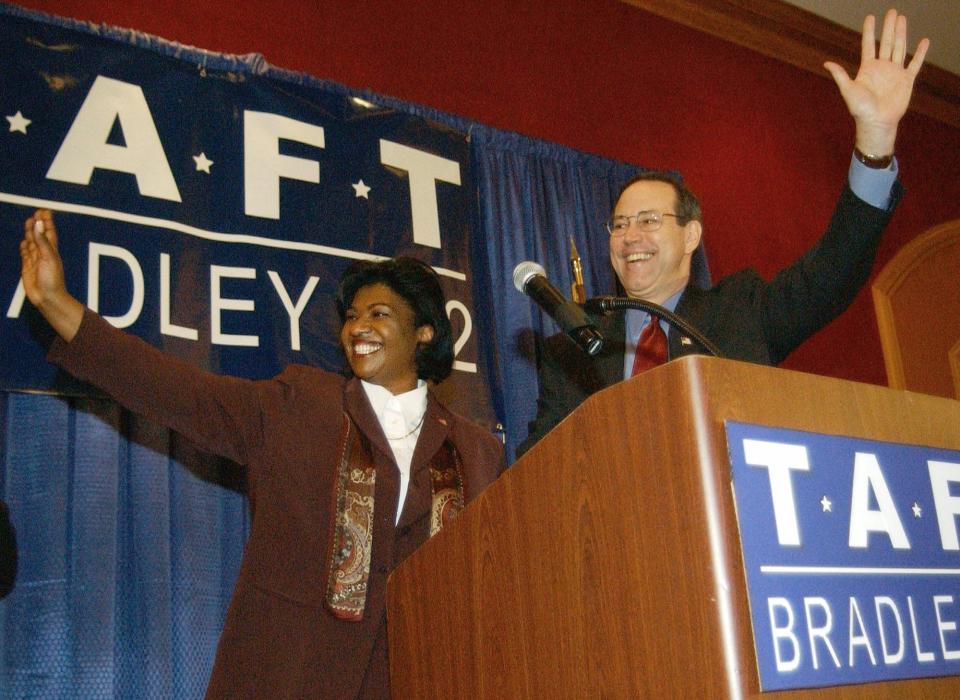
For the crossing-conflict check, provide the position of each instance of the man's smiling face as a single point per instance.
(652, 265)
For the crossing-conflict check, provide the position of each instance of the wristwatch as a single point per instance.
(877, 162)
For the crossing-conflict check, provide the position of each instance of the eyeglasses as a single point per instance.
(648, 221)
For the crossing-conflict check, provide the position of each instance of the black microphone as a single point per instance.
(531, 279)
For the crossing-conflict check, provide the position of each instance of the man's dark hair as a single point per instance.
(687, 204)
(419, 286)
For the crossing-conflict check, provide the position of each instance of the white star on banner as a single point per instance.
(18, 122)
(361, 189)
(203, 163)
(917, 510)
(826, 504)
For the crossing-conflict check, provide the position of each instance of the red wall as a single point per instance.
(766, 146)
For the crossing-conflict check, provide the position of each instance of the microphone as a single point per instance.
(531, 279)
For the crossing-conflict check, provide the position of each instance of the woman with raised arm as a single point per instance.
(346, 477)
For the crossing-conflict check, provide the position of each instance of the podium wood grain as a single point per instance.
(606, 563)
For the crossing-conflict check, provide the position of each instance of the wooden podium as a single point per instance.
(606, 562)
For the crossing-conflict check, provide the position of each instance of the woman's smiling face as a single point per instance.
(380, 340)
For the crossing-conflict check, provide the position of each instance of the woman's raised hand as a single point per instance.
(41, 270)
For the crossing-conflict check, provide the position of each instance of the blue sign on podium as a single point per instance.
(851, 554)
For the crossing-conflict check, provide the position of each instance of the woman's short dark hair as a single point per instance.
(419, 286)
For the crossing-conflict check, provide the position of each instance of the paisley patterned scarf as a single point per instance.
(352, 546)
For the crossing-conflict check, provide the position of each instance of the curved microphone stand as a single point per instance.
(605, 304)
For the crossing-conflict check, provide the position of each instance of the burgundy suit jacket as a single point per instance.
(278, 640)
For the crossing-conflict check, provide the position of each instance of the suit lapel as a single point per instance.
(436, 427)
(361, 412)
(689, 309)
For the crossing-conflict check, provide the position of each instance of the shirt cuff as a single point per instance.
(873, 185)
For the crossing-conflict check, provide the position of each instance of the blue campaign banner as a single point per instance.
(210, 208)
(851, 554)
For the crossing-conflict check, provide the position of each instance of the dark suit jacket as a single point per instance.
(278, 640)
(746, 317)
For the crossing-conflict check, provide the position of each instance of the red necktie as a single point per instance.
(651, 347)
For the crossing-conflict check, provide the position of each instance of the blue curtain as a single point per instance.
(129, 539)
(535, 197)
